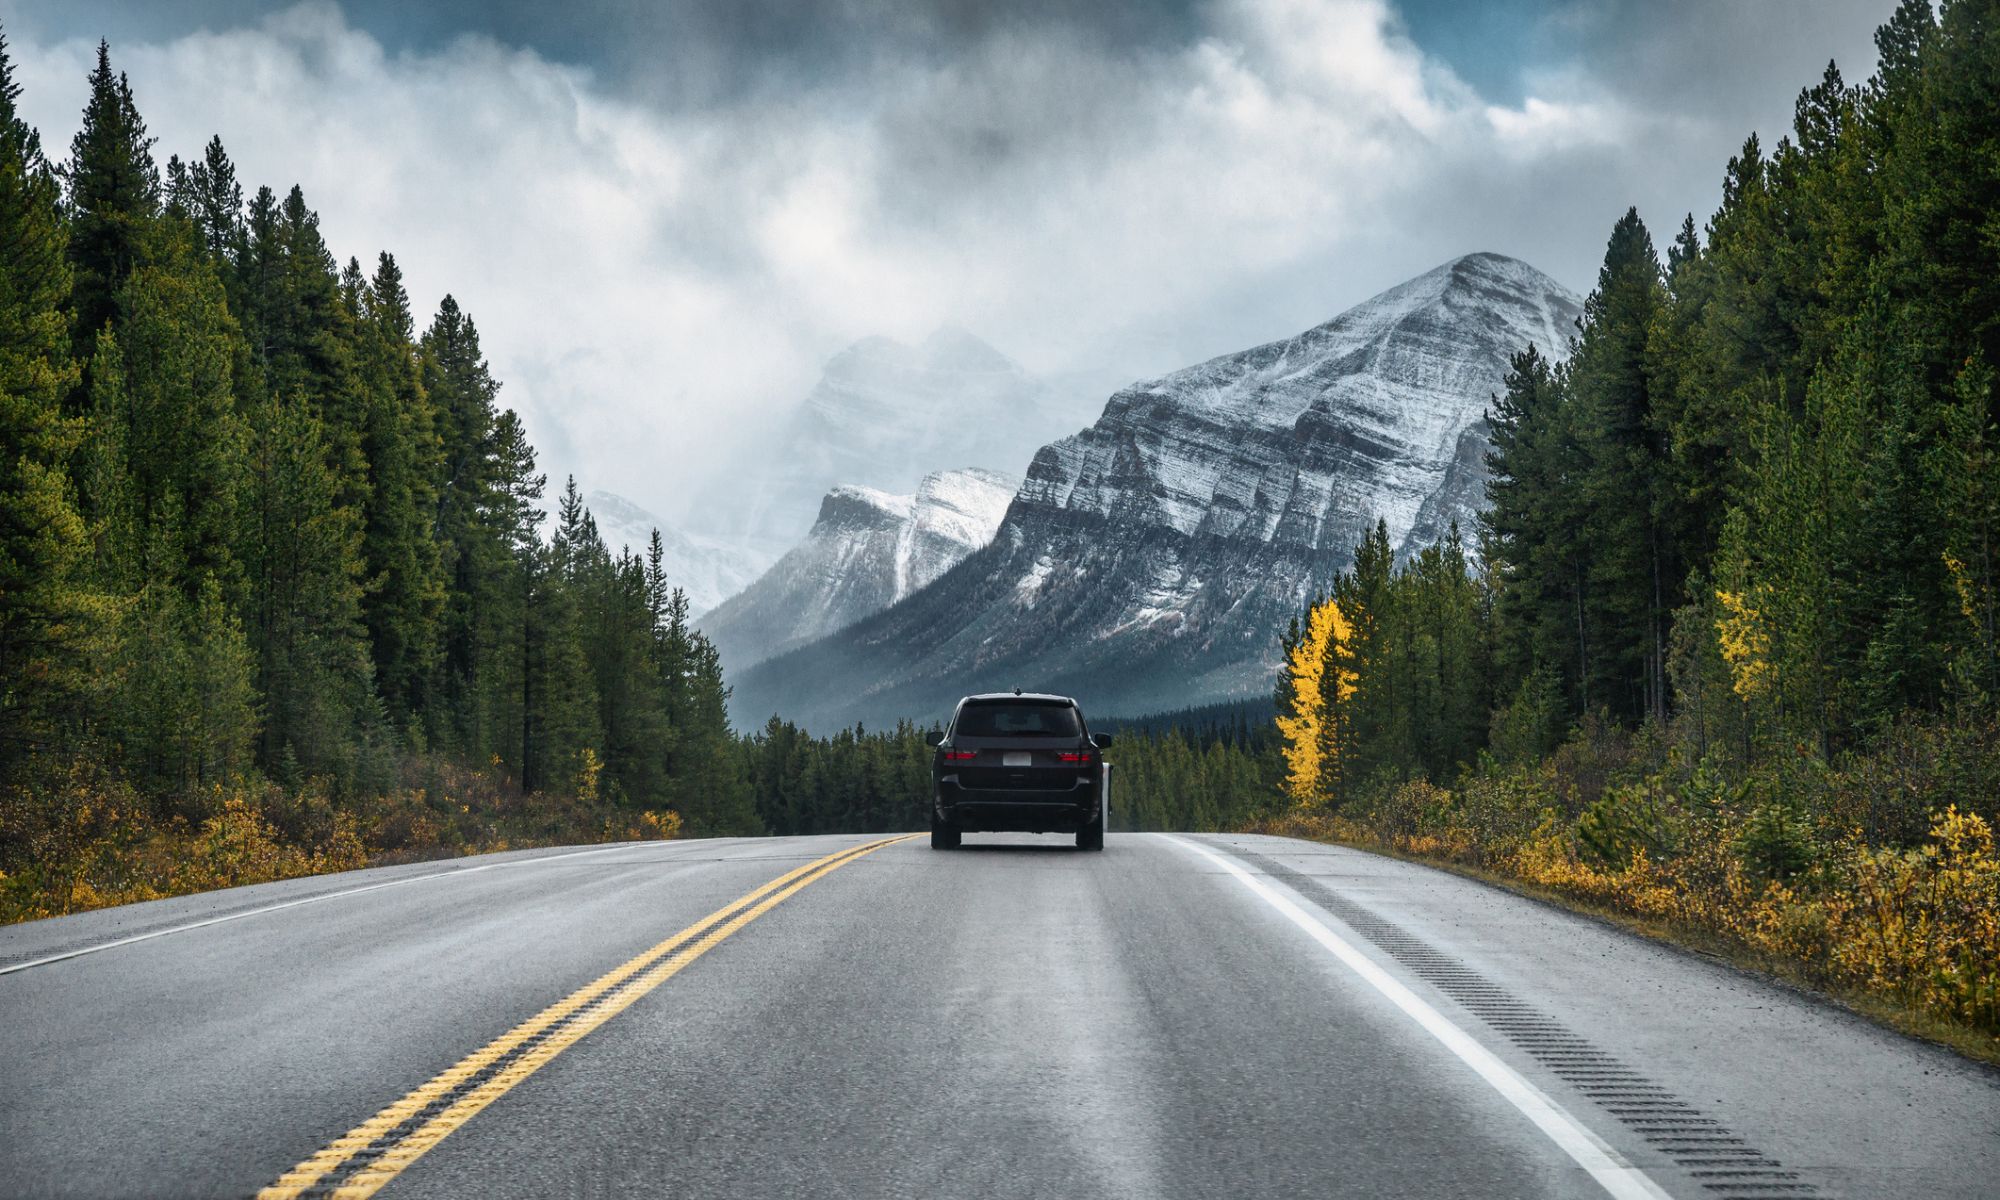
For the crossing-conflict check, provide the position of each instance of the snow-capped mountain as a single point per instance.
(1153, 560)
(708, 569)
(885, 413)
(868, 550)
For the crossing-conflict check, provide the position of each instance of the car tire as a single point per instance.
(1091, 837)
(943, 836)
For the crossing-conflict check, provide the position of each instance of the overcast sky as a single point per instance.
(666, 216)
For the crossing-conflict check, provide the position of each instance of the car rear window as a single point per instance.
(1018, 718)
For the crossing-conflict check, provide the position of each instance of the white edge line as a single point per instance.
(269, 908)
(1591, 1152)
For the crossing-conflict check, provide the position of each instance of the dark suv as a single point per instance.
(1017, 763)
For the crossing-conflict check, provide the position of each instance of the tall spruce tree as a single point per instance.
(303, 555)
(486, 519)
(406, 592)
(1532, 534)
(215, 202)
(114, 191)
(1635, 574)
(559, 706)
(182, 437)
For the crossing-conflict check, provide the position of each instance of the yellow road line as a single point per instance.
(384, 1152)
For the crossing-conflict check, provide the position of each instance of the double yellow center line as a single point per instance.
(361, 1161)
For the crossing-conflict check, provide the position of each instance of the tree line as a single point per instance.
(1199, 770)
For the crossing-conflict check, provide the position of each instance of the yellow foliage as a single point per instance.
(588, 768)
(1745, 644)
(1922, 925)
(665, 826)
(1311, 731)
(1961, 582)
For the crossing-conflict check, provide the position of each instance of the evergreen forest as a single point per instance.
(280, 587)
(1725, 651)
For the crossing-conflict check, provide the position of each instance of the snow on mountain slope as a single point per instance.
(1262, 443)
(885, 413)
(1151, 561)
(868, 550)
(708, 569)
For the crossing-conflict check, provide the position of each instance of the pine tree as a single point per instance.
(259, 282)
(1375, 728)
(485, 491)
(503, 622)
(313, 343)
(406, 593)
(215, 202)
(1634, 573)
(1531, 533)
(184, 711)
(559, 710)
(114, 190)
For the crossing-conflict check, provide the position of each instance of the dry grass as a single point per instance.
(85, 841)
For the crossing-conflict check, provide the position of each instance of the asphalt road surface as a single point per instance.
(1177, 1016)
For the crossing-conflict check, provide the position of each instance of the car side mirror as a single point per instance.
(1101, 740)
(934, 738)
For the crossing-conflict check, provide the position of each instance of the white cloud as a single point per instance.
(656, 286)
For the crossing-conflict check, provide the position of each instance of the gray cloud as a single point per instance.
(1721, 59)
(664, 219)
(692, 51)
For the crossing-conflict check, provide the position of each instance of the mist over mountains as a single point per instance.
(885, 414)
(709, 569)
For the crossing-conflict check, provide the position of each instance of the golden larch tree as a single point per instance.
(1320, 684)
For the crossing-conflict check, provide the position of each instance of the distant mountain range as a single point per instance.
(868, 550)
(1151, 561)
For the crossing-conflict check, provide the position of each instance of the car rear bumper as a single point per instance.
(1017, 810)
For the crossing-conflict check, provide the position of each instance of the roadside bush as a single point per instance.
(1628, 821)
(1776, 840)
(1784, 862)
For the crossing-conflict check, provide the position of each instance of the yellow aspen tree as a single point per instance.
(1320, 685)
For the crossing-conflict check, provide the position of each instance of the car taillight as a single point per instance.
(960, 755)
(1077, 757)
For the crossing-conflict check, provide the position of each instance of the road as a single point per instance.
(1177, 1016)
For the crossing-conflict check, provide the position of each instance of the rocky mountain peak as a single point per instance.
(851, 506)
(868, 550)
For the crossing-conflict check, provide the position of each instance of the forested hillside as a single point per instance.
(273, 591)
(1731, 657)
